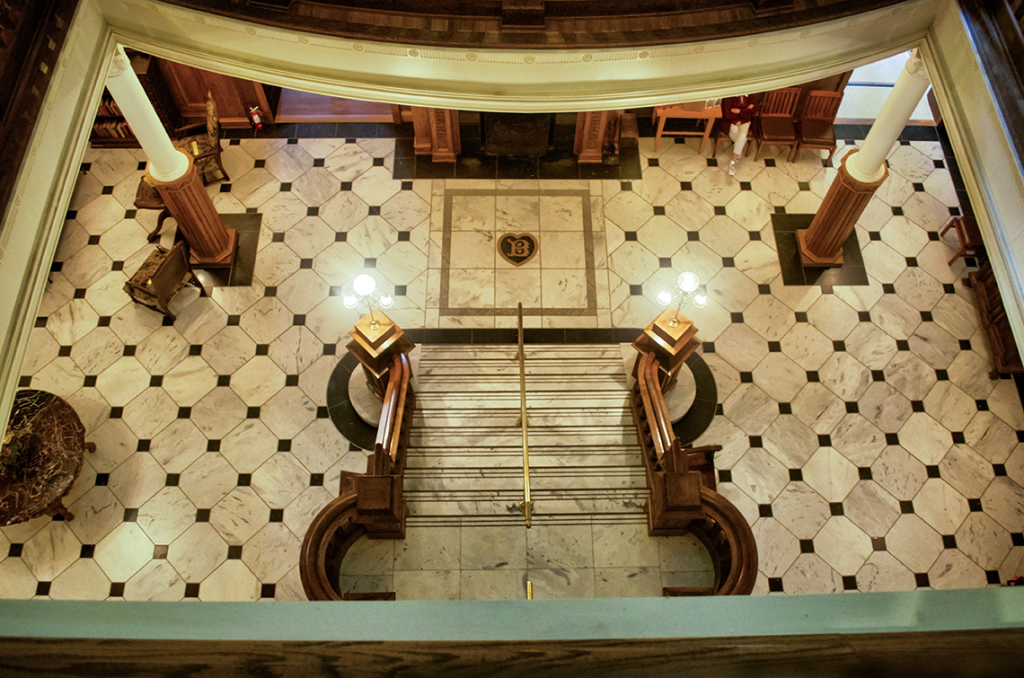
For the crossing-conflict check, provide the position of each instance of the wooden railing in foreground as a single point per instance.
(369, 504)
(683, 497)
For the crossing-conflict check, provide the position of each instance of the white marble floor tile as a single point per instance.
(83, 580)
(123, 552)
(883, 449)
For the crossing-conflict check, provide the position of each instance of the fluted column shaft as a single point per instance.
(171, 171)
(862, 172)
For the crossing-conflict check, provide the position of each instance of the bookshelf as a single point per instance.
(111, 130)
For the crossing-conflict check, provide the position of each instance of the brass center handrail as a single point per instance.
(526, 506)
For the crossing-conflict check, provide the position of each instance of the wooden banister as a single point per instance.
(683, 496)
(369, 504)
(661, 424)
(388, 457)
(328, 538)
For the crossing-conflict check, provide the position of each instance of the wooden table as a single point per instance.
(692, 111)
(46, 429)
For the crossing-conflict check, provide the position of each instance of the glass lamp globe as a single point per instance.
(364, 284)
(664, 297)
(349, 300)
(386, 301)
(700, 301)
(688, 281)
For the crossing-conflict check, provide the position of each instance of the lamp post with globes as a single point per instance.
(686, 289)
(364, 292)
(376, 339)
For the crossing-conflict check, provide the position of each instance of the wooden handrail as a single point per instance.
(388, 453)
(655, 406)
(328, 538)
(723, 530)
(333, 531)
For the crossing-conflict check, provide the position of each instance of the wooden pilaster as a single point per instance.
(437, 133)
(590, 133)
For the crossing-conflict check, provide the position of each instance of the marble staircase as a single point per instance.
(465, 458)
(465, 536)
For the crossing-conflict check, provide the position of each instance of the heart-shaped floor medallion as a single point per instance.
(517, 249)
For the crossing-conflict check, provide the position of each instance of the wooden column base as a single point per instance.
(821, 244)
(807, 257)
(211, 245)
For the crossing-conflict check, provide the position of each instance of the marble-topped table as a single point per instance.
(46, 429)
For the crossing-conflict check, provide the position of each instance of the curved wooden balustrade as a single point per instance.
(368, 504)
(327, 540)
(683, 497)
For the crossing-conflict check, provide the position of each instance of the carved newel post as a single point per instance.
(172, 171)
(862, 172)
(672, 338)
(376, 339)
(380, 503)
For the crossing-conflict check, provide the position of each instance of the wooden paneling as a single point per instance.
(299, 106)
(894, 655)
(997, 38)
(234, 96)
(34, 35)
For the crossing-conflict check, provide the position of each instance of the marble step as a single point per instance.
(485, 438)
(460, 352)
(515, 519)
(542, 479)
(509, 383)
(512, 457)
(484, 369)
(505, 503)
(435, 403)
(599, 414)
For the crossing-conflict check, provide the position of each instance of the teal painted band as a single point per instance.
(641, 618)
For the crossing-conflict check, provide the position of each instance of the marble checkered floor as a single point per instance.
(862, 437)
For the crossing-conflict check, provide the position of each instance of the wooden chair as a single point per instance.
(774, 124)
(204, 146)
(148, 198)
(162, 276)
(718, 135)
(817, 122)
(971, 244)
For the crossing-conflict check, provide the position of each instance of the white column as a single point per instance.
(868, 165)
(166, 163)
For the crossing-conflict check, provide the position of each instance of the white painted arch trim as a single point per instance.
(516, 80)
